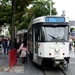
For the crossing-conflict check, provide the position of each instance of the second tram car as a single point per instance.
(48, 40)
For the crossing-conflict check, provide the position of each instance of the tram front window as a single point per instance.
(60, 33)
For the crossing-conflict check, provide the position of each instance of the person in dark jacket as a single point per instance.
(15, 43)
(3, 41)
(8, 43)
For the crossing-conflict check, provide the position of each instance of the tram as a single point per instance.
(48, 40)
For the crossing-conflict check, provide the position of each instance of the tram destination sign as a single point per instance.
(55, 19)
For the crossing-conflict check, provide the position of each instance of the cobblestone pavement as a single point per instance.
(31, 69)
(26, 69)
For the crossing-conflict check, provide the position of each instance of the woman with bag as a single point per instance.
(24, 50)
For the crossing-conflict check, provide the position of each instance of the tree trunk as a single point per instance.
(13, 23)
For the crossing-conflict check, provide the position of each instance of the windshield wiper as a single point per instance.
(55, 38)
(52, 37)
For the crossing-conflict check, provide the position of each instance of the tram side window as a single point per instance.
(29, 37)
(37, 34)
(42, 35)
(36, 39)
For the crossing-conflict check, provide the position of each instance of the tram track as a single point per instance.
(45, 72)
(61, 69)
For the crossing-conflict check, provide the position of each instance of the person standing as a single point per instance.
(4, 44)
(24, 50)
(8, 45)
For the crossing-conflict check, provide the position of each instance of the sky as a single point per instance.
(68, 6)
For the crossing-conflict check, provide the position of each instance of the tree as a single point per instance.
(17, 13)
(13, 23)
(21, 10)
(44, 9)
(5, 12)
(72, 29)
(23, 14)
(42, 6)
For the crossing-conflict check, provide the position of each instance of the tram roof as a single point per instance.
(42, 19)
(22, 31)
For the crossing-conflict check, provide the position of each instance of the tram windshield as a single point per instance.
(57, 33)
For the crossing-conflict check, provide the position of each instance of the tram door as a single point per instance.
(36, 38)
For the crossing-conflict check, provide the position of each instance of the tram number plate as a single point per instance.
(57, 53)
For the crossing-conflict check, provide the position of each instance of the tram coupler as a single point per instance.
(58, 63)
(65, 64)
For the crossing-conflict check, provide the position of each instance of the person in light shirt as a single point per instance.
(24, 50)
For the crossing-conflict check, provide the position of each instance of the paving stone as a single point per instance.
(17, 69)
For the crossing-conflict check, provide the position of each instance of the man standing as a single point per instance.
(3, 45)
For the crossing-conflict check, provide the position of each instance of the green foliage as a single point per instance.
(21, 10)
(5, 12)
(23, 14)
(43, 8)
(72, 29)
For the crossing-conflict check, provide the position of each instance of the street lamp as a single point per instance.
(50, 8)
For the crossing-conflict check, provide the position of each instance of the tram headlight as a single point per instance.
(57, 50)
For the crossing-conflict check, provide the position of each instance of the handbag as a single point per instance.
(23, 53)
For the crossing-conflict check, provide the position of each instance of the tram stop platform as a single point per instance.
(4, 65)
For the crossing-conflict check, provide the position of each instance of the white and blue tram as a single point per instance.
(48, 40)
